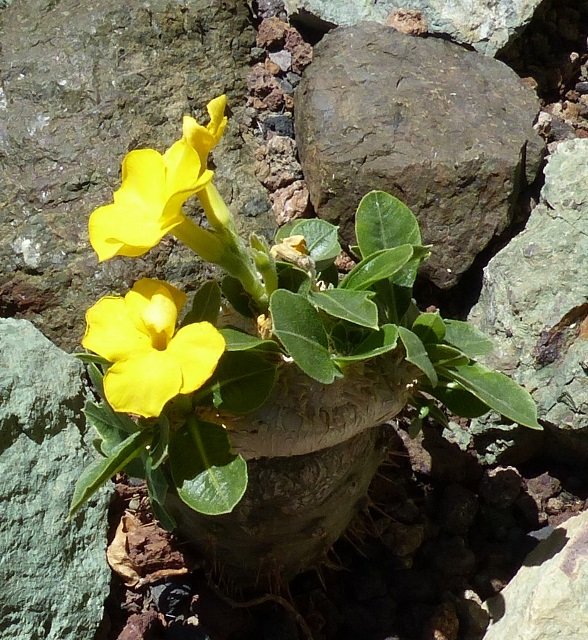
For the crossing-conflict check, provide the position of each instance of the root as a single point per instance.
(269, 597)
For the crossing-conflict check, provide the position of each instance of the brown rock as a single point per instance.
(276, 165)
(271, 32)
(444, 624)
(448, 131)
(261, 82)
(301, 51)
(408, 21)
(291, 202)
(141, 626)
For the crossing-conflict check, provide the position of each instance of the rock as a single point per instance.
(446, 130)
(53, 573)
(271, 32)
(83, 83)
(547, 597)
(276, 165)
(408, 21)
(444, 624)
(403, 539)
(458, 509)
(534, 302)
(487, 26)
(291, 202)
(501, 486)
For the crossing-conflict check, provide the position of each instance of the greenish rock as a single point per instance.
(53, 573)
(534, 302)
(547, 597)
(487, 26)
(82, 83)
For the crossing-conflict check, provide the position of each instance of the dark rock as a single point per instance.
(446, 130)
(458, 509)
(443, 624)
(501, 486)
(451, 557)
(271, 8)
(403, 539)
(582, 87)
(83, 84)
(279, 124)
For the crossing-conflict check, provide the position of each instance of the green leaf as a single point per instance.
(88, 358)
(429, 327)
(384, 222)
(208, 477)
(160, 444)
(238, 341)
(98, 472)
(446, 356)
(206, 304)
(292, 278)
(112, 427)
(467, 338)
(322, 240)
(240, 300)
(353, 306)
(498, 391)
(242, 382)
(376, 344)
(298, 326)
(96, 377)
(417, 354)
(379, 266)
(459, 401)
(157, 488)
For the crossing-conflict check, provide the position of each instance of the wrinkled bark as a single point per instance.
(312, 452)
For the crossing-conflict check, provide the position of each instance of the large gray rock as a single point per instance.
(81, 83)
(53, 574)
(534, 301)
(487, 25)
(446, 130)
(547, 597)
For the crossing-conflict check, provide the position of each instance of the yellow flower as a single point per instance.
(148, 204)
(151, 362)
(201, 138)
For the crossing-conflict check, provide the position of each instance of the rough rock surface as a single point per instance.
(53, 573)
(80, 85)
(446, 130)
(534, 301)
(547, 597)
(486, 25)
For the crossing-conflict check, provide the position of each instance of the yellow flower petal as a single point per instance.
(116, 229)
(218, 120)
(140, 297)
(111, 333)
(143, 178)
(143, 384)
(197, 348)
(198, 137)
(183, 168)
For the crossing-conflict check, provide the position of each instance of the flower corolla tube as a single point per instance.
(151, 362)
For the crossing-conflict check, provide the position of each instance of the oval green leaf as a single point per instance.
(242, 382)
(97, 473)
(208, 477)
(376, 344)
(236, 340)
(417, 354)
(353, 306)
(379, 266)
(384, 222)
(298, 326)
(205, 305)
(467, 338)
(498, 391)
(429, 327)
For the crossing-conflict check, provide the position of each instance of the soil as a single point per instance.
(440, 533)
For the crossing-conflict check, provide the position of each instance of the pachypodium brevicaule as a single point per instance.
(177, 386)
